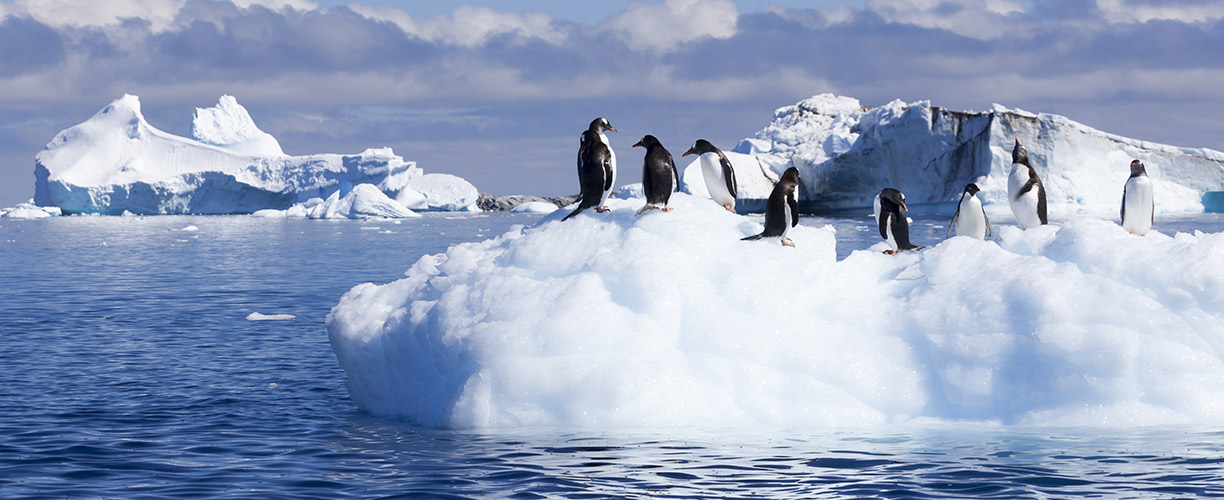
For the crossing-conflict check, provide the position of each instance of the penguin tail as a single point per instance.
(575, 212)
(753, 237)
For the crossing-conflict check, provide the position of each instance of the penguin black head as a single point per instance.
(971, 189)
(1137, 168)
(648, 141)
(791, 175)
(700, 147)
(891, 200)
(1019, 155)
(599, 125)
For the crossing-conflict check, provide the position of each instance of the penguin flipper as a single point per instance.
(794, 210)
(675, 173)
(607, 169)
(728, 174)
(1041, 204)
(883, 220)
(753, 237)
(987, 220)
(953, 223)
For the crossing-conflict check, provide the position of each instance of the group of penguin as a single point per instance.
(1026, 193)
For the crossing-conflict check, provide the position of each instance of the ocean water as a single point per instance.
(128, 369)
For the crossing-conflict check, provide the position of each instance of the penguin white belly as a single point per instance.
(786, 219)
(971, 221)
(892, 241)
(603, 200)
(1138, 202)
(712, 172)
(1024, 207)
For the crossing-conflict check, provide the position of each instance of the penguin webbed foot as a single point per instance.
(788, 243)
(729, 207)
(667, 209)
(890, 252)
(602, 209)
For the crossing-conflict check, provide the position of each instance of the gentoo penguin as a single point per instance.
(599, 126)
(1025, 192)
(717, 171)
(894, 227)
(1138, 210)
(782, 209)
(659, 176)
(970, 219)
(594, 171)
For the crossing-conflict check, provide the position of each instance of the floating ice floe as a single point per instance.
(668, 319)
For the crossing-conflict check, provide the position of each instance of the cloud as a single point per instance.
(1140, 11)
(469, 26)
(663, 26)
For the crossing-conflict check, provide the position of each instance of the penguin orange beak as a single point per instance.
(686, 153)
(903, 206)
(638, 144)
(612, 129)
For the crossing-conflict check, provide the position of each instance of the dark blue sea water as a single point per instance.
(128, 369)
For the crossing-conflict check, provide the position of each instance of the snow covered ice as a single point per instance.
(116, 162)
(668, 319)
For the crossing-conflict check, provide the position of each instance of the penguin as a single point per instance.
(782, 209)
(599, 126)
(894, 227)
(1025, 192)
(717, 171)
(594, 171)
(1138, 207)
(659, 175)
(970, 218)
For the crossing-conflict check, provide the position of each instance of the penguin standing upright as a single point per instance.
(659, 175)
(782, 209)
(894, 227)
(970, 218)
(1138, 204)
(717, 172)
(599, 126)
(594, 171)
(1025, 192)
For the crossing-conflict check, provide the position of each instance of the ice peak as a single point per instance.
(229, 125)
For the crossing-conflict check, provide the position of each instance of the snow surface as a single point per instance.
(229, 126)
(668, 319)
(116, 162)
(847, 152)
(257, 316)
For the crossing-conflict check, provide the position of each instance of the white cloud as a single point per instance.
(980, 19)
(1126, 11)
(663, 26)
(95, 13)
(468, 26)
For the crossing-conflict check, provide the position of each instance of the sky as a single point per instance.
(497, 92)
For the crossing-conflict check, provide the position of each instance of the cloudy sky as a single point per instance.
(497, 91)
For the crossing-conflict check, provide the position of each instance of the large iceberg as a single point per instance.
(847, 152)
(668, 319)
(116, 162)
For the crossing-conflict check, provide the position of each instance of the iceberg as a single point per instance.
(117, 162)
(668, 319)
(363, 201)
(847, 152)
(29, 211)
